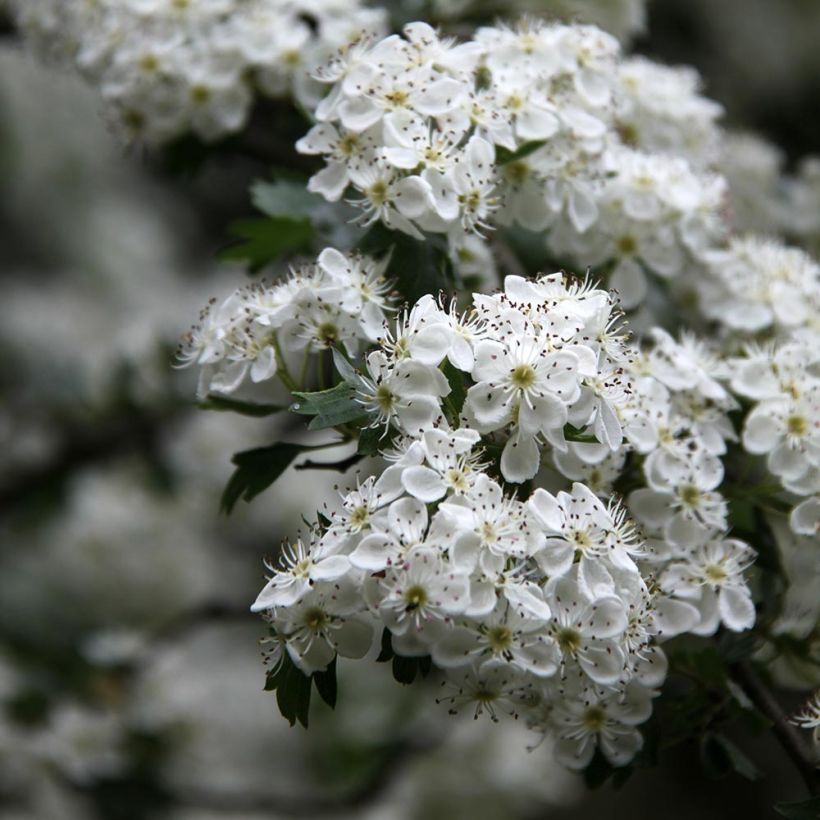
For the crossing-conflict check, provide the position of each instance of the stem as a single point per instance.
(789, 735)
(303, 371)
(281, 368)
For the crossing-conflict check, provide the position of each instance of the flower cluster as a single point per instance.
(757, 285)
(168, 67)
(542, 355)
(681, 506)
(784, 424)
(623, 18)
(541, 125)
(538, 604)
(415, 124)
(653, 213)
(660, 110)
(488, 586)
(259, 329)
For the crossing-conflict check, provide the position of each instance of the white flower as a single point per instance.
(587, 631)
(711, 577)
(301, 567)
(593, 720)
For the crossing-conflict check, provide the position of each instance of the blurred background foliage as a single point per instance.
(129, 671)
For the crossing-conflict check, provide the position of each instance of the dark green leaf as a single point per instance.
(740, 762)
(714, 757)
(406, 670)
(374, 439)
(284, 198)
(737, 646)
(598, 771)
(326, 684)
(742, 515)
(802, 810)
(386, 653)
(256, 470)
(292, 692)
(574, 434)
(330, 408)
(454, 401)
(262, 241)
(417, 267)
(504, 155)
(245, 408)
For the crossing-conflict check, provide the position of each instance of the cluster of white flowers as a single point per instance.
(258, 329)
(415, 124)
(623, 18)
(681, 506)
(539, 125)
(653, 213)
(758, 285)
(660, 109)
(536, 604)
(784, 424)
(168, 67)
(543, 354)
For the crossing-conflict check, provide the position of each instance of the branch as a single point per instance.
(339, 466)
(787, 733)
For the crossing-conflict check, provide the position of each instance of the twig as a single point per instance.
(789, 735)
(339, 466)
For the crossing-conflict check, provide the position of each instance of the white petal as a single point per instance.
(330, 568)
(414, 197)
(354, 638)
(736, 609)
(520, 458)
(603, 663)
(423, 483)
(547, 510)
(805, 517)
(605, 618)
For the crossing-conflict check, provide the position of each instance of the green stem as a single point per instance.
(281, 368)
(303, 371)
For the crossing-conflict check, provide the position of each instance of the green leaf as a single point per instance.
(598, 771)
(284, 198)
(326, 684)
(245, 408)
(742, 515)
(405, 670)
(721, 757)
(263, 241)
(374, 439)
(574, 434)
(330, 408)
(504, 155)
(292, 689)
(714, 757)
(740, 762)
(454, 401)
(386, 653)
(417, 266)
(802, 810)
(256, 470)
